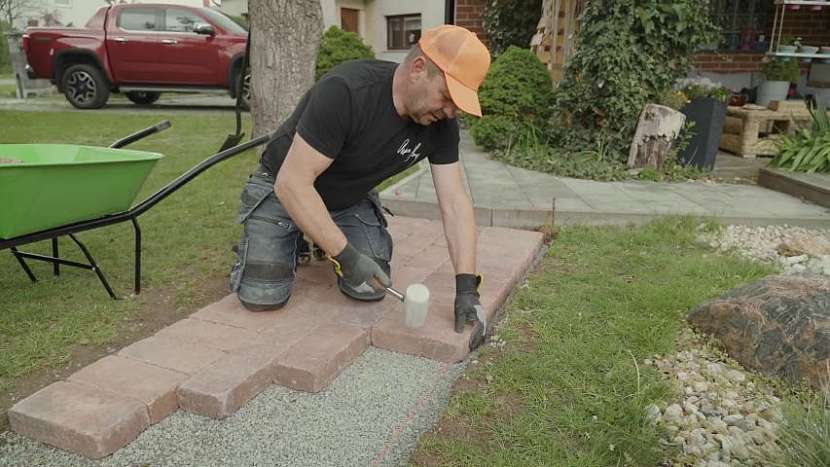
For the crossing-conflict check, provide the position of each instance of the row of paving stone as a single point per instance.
(220, 357)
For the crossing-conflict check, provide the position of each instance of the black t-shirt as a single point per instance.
(349, 116)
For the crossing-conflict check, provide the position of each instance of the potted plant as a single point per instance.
(788, 44)
(778, 74)
(807, 49)
(706, 107)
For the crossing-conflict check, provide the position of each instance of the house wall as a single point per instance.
(739, 69)
(470, 14)
(432, 15)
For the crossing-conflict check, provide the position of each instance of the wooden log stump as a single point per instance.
(656, 132)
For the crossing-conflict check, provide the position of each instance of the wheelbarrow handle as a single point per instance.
(161, 126)
(171, 187)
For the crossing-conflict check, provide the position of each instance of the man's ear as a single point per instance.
(418, 67)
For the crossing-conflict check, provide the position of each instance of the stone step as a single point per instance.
(221, 356)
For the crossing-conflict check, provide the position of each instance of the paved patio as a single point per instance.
(215, 361)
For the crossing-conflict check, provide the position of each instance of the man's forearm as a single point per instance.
(460, 230)
(307, 209)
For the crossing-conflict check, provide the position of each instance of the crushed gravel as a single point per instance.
(372, 414)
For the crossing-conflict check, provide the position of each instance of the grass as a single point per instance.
(566, 390)
(7, 90)
(186, 240)
(805, 436)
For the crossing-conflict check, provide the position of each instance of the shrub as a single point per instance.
(339, 46)
(627, 53)
(781, 70)
(516, 94)
(511, 22)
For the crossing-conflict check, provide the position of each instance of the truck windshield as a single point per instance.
(224, 22)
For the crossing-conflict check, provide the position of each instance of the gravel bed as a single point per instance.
(372, 414)
(721, 418)
(797, 250)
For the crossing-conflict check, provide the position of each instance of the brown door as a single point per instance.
(348, 20)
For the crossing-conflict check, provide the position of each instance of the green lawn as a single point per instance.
(186, 240)
(7, 90)
(566, 389)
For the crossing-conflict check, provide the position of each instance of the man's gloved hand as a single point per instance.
(468, 307)
(356, 268)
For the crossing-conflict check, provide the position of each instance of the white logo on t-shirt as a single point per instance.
(411, 154)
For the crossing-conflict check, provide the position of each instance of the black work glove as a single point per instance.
(356, 268)
(468, 307)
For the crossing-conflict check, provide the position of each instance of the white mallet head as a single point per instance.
(416, 305)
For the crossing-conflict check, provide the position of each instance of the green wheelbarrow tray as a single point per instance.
(49, 185)
(53, 190)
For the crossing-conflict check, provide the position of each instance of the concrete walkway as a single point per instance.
(512, 197)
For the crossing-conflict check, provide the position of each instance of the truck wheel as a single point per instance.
(85, 87)
(245, 90)
(143, 97)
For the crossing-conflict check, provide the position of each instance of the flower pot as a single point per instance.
(807, 49)
(790, 49)
(769, 91)
(708, 115)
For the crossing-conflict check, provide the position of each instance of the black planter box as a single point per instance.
(708, 115)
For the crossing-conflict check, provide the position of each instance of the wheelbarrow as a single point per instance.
(81, 188)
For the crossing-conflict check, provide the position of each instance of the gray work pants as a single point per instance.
(267, 257)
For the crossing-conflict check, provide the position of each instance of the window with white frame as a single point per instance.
(402, 31)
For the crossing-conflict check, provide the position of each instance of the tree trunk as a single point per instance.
(285, 37)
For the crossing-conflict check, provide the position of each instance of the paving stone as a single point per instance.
(221, 389)
(297, 320)
(403, 276)
(230, 312)
(431, 257)
(218, 336)
(437, 339)
(313, 363)
(79, 418)
(151, 385)
(172, 354)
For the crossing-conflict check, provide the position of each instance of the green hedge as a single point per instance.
(516, 96)
(339, 46)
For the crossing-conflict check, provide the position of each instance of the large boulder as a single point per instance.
(779, 326)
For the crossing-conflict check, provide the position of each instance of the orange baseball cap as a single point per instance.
(463, 59)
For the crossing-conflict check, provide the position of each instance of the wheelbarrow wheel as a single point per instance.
(85, 86)
(143, 97)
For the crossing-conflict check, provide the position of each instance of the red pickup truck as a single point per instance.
(140, 50)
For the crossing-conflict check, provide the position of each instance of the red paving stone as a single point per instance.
(313, 363)
(79, 418)
(223, 355)
(153, 386)
(217, 336)
(172, 354)
(221, 389)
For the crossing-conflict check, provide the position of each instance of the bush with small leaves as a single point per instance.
(339, 46)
